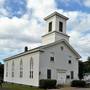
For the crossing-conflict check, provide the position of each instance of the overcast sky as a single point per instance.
(22, 24)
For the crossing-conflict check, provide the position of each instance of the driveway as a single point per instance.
(72, 88)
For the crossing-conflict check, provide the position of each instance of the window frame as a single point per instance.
(67, 76)
(31, 68)
(6, 69)
(62, 48)
(21, 68)
(50, 26)
(60, 26)
(69, 62)
(48, 73)
(72, 74)
(13, 68)
(52, 58)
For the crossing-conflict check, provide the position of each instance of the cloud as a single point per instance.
(41, 8)
(80, 33)
(3, 11)
(18, 32)
(15, 7)
(86, 3)
(1, 3)
(26, 30)
(69, 2)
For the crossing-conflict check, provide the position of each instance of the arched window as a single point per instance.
(6, 69)
(21, 68)
(31, 67)
(12, 68)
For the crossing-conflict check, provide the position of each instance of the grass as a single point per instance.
(19, 87)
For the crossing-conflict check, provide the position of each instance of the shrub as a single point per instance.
(45, 83)
(78, 83)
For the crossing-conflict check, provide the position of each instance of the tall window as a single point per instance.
(48, 74)
(21, 68)
(6, 69)
(72, 74)
(12, 68)
(50, 27)
(60, 26)
(31, 67)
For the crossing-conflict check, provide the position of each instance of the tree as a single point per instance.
(81, 70)
(1, 71)
(87, 65)
(88, 59)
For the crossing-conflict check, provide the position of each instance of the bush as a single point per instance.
(78, 83)
(45, 83)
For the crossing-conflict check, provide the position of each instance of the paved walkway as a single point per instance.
(66, 88)
(71, 88)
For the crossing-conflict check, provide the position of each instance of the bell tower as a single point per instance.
(55, 28)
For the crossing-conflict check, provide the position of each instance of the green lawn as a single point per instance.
(19, 87)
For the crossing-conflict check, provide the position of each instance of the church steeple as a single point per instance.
(55, 28)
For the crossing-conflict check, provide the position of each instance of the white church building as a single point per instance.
(55, 59)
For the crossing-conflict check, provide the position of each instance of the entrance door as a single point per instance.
(61, 76)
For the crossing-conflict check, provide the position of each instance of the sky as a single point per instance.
(22, 24)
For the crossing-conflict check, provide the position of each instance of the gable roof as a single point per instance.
(24, 53)
(68, 45)
(41, 49)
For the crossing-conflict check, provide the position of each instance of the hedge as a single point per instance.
(45, 83)
(78, 83)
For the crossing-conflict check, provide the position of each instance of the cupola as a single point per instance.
(55, 28)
